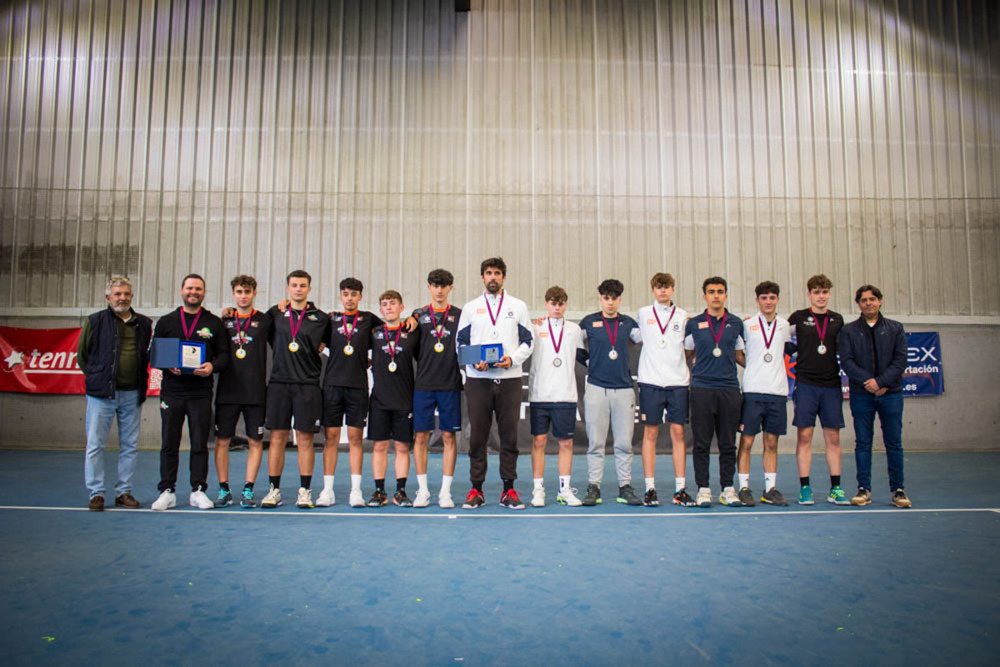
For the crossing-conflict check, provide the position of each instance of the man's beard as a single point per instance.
(121, 309)
(493, 287)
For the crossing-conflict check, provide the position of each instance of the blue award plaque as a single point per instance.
(186, 355)
(473, 354)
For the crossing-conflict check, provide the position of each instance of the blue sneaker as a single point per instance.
(806, 495)
(224, 499)
(247, 500)
(837, 496)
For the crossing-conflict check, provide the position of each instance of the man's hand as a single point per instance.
(204, 370)
(881, 391)
(505, 362)
(322, 346)
(175, 371)
(228, 312)
(410, 324)
(283, 304)
(872, 386)
(481, 366)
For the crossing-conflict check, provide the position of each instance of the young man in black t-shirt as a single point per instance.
(293, 390)
(391, 410)
(345, 387)
(188, 395)
(242, 388)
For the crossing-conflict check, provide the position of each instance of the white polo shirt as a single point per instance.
(759, 376)
(500, 319)
(662, 362)
(548, 383)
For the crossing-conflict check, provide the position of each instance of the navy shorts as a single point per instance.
(825, 402)
(227, 414)
(765, 412)
(449, 410)
(301, 401)
(654, 400)
(560, 416)
(342, 404)
(390, 425)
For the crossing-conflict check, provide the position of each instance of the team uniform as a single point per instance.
(715, 398)
(189, 396)
(502, 319)
(293, 389)
(438, 383)
(552, 390)
(391, 408)
(609, 399)
(345, 381)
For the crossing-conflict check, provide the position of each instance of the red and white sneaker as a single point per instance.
(474, 500)
(511, 500)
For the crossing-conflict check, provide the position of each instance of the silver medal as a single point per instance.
(821, 349)
(392, 367)
(557, 362)
(348, 349)
(768, 357)
(439, 346)
(495, 333)
(662, 343)
(293, 347)
(717, 352)
(613, 354)
(241, 353)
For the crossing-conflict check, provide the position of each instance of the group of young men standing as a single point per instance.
(687, 370)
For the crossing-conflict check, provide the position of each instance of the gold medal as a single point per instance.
(241, 353)
(348, 350)
(439, 346)
(392, 367)
(293, 347)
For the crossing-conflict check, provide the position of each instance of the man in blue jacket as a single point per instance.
(873, 355)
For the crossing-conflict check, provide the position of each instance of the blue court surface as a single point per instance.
(609, 585)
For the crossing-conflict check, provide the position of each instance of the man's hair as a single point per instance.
(867, 288)
(767, 287)
(243, 281)
(298, 273)
(819, 281)
(556, 294)
(441, 277)
(611, 287)
(390, 294)
(190, 276)
(714, 280)
(352, 283)
(493, 263)
(661, 280)
(118, 281)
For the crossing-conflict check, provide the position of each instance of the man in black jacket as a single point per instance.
(113, 354)
(873, 355)
(189, 394)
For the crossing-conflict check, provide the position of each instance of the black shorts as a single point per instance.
(390, 425)
(301, 401)
(227, 414)
(561, 417)
(342, 404)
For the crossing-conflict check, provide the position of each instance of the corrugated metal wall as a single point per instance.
(581, 139)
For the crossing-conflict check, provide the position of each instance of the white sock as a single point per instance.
(446, 484)
(679, 483)
(650, 483)
(769, 480)
(422, 482)
(355, 482)
(563, 483)
(539, 483)
(328, 482)
(744, 481)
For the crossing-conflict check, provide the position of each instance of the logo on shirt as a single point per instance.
(597, 325)
(702, 325)
(480, 311)
(204, 332)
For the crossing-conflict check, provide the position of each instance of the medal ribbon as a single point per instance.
(822, 332)
(607, 329)
(291, 321)
(490, 310)
(354, 325)
(663, 328)
(763, 332)
(439, 328)
(392, 343)
(722, 326)
(562, 331)
(188, 333)
(239, 332)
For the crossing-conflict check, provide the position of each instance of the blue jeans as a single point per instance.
(889, 408)
(100, 413)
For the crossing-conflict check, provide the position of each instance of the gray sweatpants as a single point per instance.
(604, 407)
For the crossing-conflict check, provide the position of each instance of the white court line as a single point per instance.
(363, 513)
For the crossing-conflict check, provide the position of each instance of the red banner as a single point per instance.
(43, 361)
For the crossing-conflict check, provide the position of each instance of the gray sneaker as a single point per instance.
(593, 496)
(626, 496)
(746, 497)
(774, 497)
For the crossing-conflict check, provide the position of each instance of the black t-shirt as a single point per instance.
(349, 370)
(208, 329)
(437, 371)
(304, 365)
(393, 391)
(245, 380)
(811, 367)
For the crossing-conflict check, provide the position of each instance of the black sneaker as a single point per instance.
(651, 499)
(593, 496)
(774, 497)
(224, 499)
(746, 497)
(683, 499)
(400, 498)
(626, 496)
(511, 500)
(474, 500)
(378, 499)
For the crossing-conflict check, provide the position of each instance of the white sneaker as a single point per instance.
(704, 498)
(538, 498)
(273, 498)
(729, 497)
(326, 498)
(356, 499)
(200, 500)
(568, 497)
(166, 500)
(445, 501)
(422, 499)
(305, 499)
